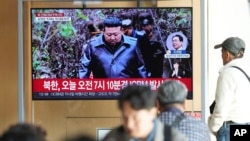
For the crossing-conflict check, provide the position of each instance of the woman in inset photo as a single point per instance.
(177, 72)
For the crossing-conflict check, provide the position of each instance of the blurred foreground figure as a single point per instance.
(138, 107)
(24, 132)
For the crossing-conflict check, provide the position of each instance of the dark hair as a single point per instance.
(91, 27)
(100, 26)
(24, 132)
(112, 22)
(179, 36)
(140, 97)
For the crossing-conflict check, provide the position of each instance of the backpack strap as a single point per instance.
(167, 133)
(167, 129)
(242, 71)
(178, 119)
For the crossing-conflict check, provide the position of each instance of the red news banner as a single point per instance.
(96, 85)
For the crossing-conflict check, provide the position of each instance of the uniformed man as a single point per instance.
(112, 54)
(152, 50)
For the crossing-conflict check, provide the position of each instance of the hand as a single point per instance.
(168, 52)
(174, 73)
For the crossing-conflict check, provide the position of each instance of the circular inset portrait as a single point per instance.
(177, 41)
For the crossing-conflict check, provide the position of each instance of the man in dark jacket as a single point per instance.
(112, 54)
(152, 50)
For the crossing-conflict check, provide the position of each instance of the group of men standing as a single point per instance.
(123, 52)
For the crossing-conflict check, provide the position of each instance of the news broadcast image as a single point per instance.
(60, 36)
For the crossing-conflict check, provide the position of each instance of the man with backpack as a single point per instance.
(138, 108)
(171, 100)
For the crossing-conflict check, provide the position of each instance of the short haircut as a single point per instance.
(91, 27)
(24, 132)
(100, 26)
(179, 36)
(139, 97)
(171, 92)
(112, 22)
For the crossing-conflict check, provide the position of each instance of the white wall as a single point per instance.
(225, 18)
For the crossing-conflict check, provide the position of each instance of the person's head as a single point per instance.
(127, 27)
(146, 22)
(177, 41)
(24, 132)
(138, 107)
(100, 26)
(91, 27)
(112, 31)
(231, 48)
(172, 93)
(176, 64)
(80, 137)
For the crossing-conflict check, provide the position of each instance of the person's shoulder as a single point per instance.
(96, 41)
(195, 121)
(129, 40)
(196, 129)
(92, 40)
(175, 134)
(194, 125)
(118, 129)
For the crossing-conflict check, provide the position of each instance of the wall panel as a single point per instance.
(8, 63)
(89, 125)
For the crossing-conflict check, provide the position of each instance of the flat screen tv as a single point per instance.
(72, 57)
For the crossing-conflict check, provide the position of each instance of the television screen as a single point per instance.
(92, 53)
